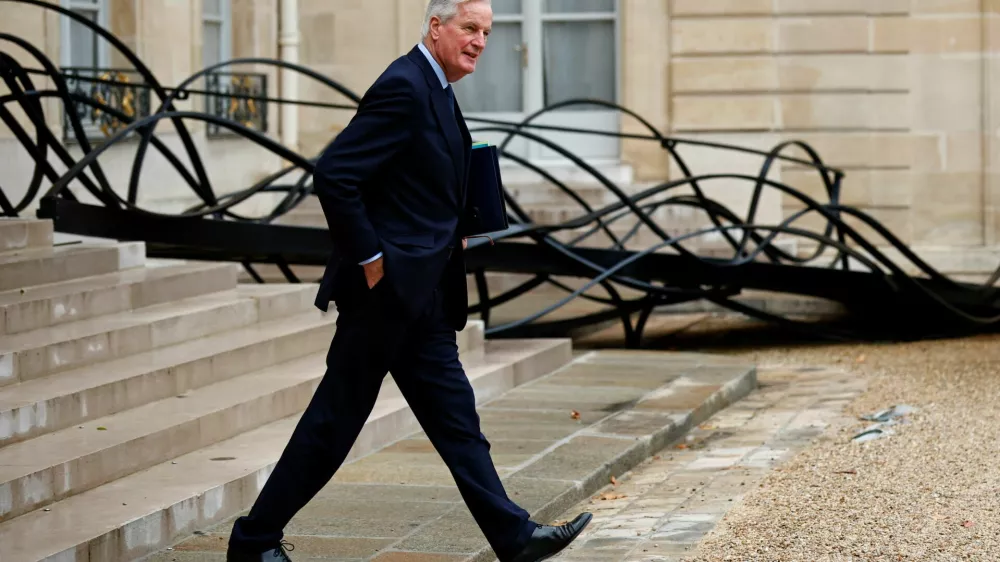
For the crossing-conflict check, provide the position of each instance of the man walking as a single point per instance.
(392, 187)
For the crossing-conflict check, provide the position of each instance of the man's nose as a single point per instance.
(479, 40)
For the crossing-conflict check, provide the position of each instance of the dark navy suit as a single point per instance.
(393, 182)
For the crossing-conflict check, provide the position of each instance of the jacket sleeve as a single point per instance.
(382, 125)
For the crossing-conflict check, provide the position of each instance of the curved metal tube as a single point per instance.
(741, 232)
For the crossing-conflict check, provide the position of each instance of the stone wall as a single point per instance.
(351, 42)
(899, 93)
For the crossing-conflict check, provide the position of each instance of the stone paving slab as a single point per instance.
(662, 509)
(555, 442)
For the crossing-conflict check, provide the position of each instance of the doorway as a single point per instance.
(542, 52)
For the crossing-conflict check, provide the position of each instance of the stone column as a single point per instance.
(645, 55)
(122, 22)
(166, 35)
(991, 123)
(409, 16)
(945, 40)
(351, 42)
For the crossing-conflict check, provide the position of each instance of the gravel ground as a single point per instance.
(928, 492)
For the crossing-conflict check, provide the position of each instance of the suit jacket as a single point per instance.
(393, 181)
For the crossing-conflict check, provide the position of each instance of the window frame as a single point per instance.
(102, 57)
(225, 22)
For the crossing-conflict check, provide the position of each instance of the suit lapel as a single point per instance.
(454, 135)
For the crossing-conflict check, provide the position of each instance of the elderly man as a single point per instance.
(392, 186)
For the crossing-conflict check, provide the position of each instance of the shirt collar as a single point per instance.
(434, 64)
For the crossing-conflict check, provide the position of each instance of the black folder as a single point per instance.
(485, 209)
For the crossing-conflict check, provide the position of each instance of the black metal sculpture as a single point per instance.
(881, 298)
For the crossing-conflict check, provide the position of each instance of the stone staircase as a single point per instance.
(140, 403)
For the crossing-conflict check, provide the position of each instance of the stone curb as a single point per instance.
(644, 448)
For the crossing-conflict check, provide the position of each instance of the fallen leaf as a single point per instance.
(610, 496)
(846, 472)
(706, 426)
(656, 458)
(614, 481)
(682, 446)
(861, 358)
(102, 428)
(968, 524)
(575, 415)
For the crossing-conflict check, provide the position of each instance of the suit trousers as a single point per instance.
(422, 356)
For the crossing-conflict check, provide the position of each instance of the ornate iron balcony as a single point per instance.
(239, 97)
(112, 93)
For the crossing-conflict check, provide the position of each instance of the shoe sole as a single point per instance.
(571, 539)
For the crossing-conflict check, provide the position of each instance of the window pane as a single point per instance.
(579, 62)
(83, 41)
(496, 83)
(212, 47)
(211, 7)
(506, 6)
(577, 6)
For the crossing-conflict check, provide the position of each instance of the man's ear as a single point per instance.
(435, 27)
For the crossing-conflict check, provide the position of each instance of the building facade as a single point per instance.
(898, 93)
(174, 40)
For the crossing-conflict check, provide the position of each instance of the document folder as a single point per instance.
(485, 209)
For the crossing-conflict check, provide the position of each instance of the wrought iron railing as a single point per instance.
(847, 265)
(237, 97)
(119, 89)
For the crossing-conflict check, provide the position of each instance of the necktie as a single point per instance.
(451, 99)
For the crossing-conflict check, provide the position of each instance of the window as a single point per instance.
(216, 44)
(85, 62)
(81, 47)
(543, 52)
(579, 51)
(499, 86)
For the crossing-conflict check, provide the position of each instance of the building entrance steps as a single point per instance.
(122, 486)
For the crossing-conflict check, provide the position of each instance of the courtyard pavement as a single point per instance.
(555, 441)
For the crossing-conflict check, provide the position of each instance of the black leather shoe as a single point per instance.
(279, 554)
(546, 541)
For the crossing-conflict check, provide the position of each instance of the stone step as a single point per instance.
(79, 299)
(20, 234)
(147, 510)
(76, 459)
(472, 340)
(528, 195)
(313, 218)
(46, 351)
(48, 404)
(21, 269)
(277, 300)
(271, 274)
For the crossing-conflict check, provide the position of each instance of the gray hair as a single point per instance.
(444, 10)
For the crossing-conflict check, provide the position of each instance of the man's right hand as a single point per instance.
(373, 272)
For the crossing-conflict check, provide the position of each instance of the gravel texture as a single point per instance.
(927, 492)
